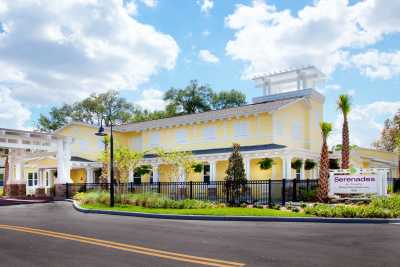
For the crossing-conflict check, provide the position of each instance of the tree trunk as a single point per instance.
(322, 194)
(345, 144)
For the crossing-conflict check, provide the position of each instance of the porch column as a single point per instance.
(303, 170)
(247, 168)
(181, 174)
(130, 176)
(287, 167)
(63, 162)
(213, 171)
(19, 171)
(156, 175)
(89, 175)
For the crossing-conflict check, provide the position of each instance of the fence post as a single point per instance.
(283, 193)
(308, 184)
(66, 190)
(131, 187)
(269, 193)
(294, 191)
(191, 189)
(84, 187)
(159, 187)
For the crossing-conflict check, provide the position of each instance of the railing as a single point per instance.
(253, 191)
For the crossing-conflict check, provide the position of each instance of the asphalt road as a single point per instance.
(250, 243)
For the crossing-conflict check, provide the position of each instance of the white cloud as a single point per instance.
(131, 8)
(152, 99)
(207, 56)
(205, 5)
(206, 33)
(149, 3)
(12, 113)
(322, 34)
(375, 64)
(365, 123)
(63, 50)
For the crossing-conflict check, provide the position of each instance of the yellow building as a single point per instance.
(283, 124)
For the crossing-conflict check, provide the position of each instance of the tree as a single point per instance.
(344, 105)
(90, 110)
(235, 176)
(391, 130)
(322, 194)
(228, 99)
(193, 98)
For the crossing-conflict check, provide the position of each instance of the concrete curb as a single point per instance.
(237, 218)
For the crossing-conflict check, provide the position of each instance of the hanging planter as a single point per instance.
(197, 168)
(309, 164)
(297, 164)
(266, 164)
(142, 170)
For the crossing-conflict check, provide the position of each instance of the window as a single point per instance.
(32, 179)
(240, 129)
(210, 133)
(317, 118)
(278, 128)
(206, 173)
(297, 130)
(154, 139)
(181, 137)
(136, 143)
(100, 144)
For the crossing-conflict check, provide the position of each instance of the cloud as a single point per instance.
(206, 33)
(207, 56)
(63, 50)
(152, 99)
(365, 122)
(322, 34)
(12, 113)
(375, 64)
(149, 3)
(205, 5)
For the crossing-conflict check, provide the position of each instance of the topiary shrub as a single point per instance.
(297, 164)
(309, 164)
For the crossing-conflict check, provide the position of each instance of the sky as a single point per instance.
(54, 52)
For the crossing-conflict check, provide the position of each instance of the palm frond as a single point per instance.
(344, 104)
(326, 128)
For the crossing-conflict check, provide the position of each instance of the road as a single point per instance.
(53, 234)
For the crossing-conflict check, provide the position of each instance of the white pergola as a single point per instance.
(19, 146)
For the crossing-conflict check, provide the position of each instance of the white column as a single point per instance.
(303, 170)
(213, 171)
(89, 175)
(247, 168)
(156, 175)
(63, 162)
(130, 176)
(182, 175)
(287, 167)
(18, 171)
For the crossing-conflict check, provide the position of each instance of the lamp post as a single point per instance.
(101, 132)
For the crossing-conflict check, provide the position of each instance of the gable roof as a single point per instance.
(246, 110)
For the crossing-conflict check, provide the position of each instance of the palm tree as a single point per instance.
(322, 194)
(344, 105)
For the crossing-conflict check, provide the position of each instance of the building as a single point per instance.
(283, 124)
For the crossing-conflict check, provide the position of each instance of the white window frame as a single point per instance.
(210, 133)
(241, 129)
(154, 139)
(137, 143)
(297, 130)
(181, 136)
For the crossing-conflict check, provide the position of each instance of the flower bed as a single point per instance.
(379, 207)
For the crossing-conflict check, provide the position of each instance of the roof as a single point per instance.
(229, 150)
(74, 158)
(245, 110)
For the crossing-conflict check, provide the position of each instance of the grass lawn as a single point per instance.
(210, 211)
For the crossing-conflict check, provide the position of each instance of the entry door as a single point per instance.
(33, 182)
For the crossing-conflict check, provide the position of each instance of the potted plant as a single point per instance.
(197, 168)
(297, 164)
(309, 164)
(266, 163)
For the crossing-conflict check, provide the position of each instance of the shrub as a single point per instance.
(308, 196)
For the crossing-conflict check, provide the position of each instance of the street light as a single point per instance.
(101, 132)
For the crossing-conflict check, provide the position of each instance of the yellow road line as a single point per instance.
(126, 247)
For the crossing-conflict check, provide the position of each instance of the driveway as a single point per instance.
(53, 234)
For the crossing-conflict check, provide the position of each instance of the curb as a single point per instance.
(237, 218)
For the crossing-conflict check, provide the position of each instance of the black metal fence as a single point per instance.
(253, 191)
